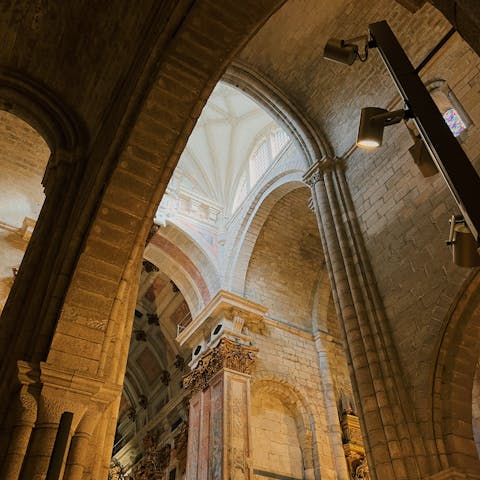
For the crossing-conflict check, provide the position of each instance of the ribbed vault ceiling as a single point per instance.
(220, 145)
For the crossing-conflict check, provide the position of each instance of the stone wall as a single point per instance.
(288, 370)
(403, 217)
(286, 261)
(275, 443)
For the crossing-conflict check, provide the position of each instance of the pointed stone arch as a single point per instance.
(453, 379)
(266, 199)
(297, 404)
(310, 141)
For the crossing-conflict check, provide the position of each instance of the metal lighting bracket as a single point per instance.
(449, 157)
(454, 220)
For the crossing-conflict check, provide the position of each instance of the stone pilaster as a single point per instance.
(394, 447)
(218, 439)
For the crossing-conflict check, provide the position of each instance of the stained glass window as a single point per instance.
(454, 122)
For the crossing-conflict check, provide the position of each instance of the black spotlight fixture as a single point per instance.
(464, 247)
(422, 158)
(372, 122)
(346, 51)
(436, 139)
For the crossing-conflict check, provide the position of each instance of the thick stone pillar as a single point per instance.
(39, 440)
(394, 446)
(218, 438)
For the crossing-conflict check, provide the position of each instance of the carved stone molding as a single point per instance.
(316, 172)
(361, 471)
(227, 354)
(241, 318)
(116, 470)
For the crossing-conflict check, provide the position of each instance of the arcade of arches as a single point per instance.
(201, 276)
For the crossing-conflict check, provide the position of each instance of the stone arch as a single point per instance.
(167, 263)
(454, 372)
(266, 199)
(308, 139)
(168, 254)
(295, 401)
(158, 136)
(66, 137)
(39, 107)
(197, 249)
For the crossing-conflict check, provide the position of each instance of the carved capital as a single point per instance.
(227, 354)
(317, 171)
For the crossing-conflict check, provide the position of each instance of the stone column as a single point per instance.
(218, 438)
(22, 421)
(45, 396)
(394, 446)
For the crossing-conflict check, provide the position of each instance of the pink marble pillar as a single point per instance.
(218, 437)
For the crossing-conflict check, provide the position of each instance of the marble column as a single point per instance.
(218, 438)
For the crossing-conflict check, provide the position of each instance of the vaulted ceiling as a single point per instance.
(219, 146)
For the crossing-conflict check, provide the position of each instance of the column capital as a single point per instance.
(316, 172)
(453, 474)
(237, 315)
(227, 354)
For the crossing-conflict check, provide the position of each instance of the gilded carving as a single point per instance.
(361, 472)
(227, 354)
(180, 442)
(155, 460)
(353, 446)
(116, 470)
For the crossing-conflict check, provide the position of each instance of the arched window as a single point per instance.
(259, 162)
(24, 156)
(450, 107)
(241, 192)
(278, 139)
(264, 154)
(454, 121)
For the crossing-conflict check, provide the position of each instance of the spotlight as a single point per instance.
(346, 51)
(422, 158)
(464, 247)
(338, 51)
(372, 122)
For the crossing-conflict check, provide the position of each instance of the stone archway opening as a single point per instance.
(456, 400)
(153, 411)
(24, 155)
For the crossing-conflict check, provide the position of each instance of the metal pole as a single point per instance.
(449, 157)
